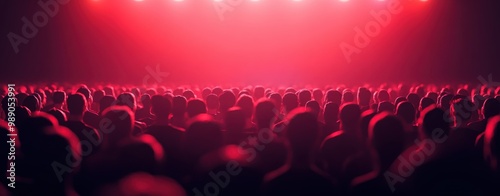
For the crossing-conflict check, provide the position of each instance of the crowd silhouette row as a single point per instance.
(124, 140)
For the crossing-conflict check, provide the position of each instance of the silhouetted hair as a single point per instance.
(59, 97)
(245, 102)
(406, 112)
(195, 106)
(32, 103)
(290, 101)
(127, 99)
(433, 119)
(265, 113)
(77, 104)
(160, 106)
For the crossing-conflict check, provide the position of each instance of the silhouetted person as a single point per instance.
(32, 103)
(385, 106)
(384, 139)
(333, 96)
(89, 137)
(171, 138)
(331, 116)
(299, 176)
(347, 139)
(144, 112)
(46, 149)
(491, 107)
(290, 102)
(226, 100)
(304, 97)
(179, 104)
(245, 102)
(121, 153)
(347, 96)
(106, 102)
(364, 97)
(194, 107)
(212, 102)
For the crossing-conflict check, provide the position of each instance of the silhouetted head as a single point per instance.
(399, 100)
(304, 97)
(135, 91)
(217, 91)
(462, 111)
(347, 96)
(189, 94)
(179, 104)
(265, 113)
(195, 106)
(414, 99)
(146, 100)
(364, 96)
(331, 113)
(109, 90)
(85, 92)
(59, 97)
(303, 134)
(406, 112)
(313, 107)
(433, 121)
(106, 102)
(492, 143)
(235, 120)
(205, 92)
(446, 101)
(433, 95)
(426, 102)
(77, 104)
(203, 135)
(318, 95)
(385, 106)
(121, 120)
(98, 95)
(258, 92)
(226, 100)
(32, 103)
(333, 96)
(245, 102)
(290, 101)
(32, 129)
(20, 97)
(212, 102)
(127, 99)
(22, 113)
(349, 116)
(276, 99)
(463, 92)
(160, 107)
(383, 95)
(491, 108)
(385, 137)
(420, 91)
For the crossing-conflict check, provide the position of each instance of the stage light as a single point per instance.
(138, 0)
(343, 0)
